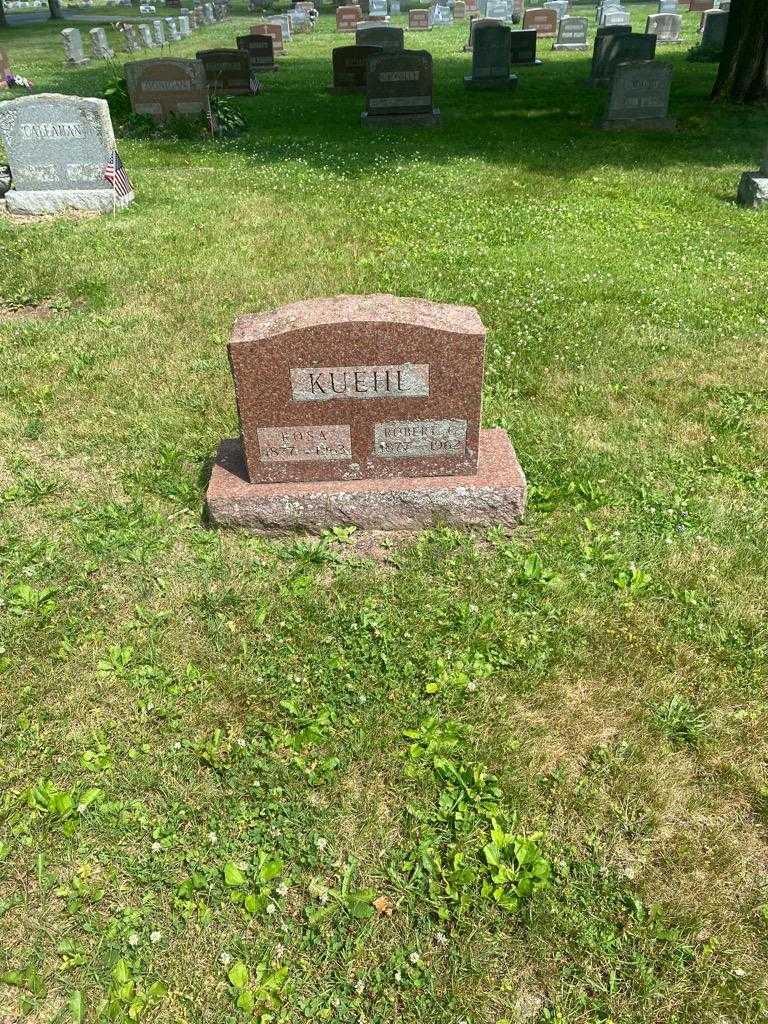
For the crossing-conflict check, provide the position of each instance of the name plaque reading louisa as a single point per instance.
(362, 410)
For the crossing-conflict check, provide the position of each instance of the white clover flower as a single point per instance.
(154, 937)
(282, 889)
(360, 986)
(323, 897)
(225, 959)
(279, 951)
(241, 742)
(156, 847)
(133, 939)
(321, 843)
(441, 938)
(414, 957)
(177, 745)
(82, 808)
(271, 908)
(398, 977)
(212, 837)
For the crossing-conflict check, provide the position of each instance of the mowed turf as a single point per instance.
(456, 777)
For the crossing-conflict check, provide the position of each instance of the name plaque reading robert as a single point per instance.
(304, 444)
(322, 384)
(408, 439)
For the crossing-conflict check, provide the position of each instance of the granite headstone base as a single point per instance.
(34, 202)
(496, 495)
(753, 190)
(509, 82)
(636, 124)
(387, 120)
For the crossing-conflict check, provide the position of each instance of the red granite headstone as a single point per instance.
(418, 21)
(362, 409)
(166, 87)
(542, 19)
(348, 17)
(700, 5)
(275, 31)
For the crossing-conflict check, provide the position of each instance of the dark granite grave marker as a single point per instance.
(603, 38)
(399, 89)
(260, 50)
(491, 59)
(228, 72)
(350, 65)
(522, 47)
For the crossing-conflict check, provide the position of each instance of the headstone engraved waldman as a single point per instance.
(362, 410)
(58, 148)
(165, 88)
(399, 90)
(350, 67)
(639, 97)
(491, 59)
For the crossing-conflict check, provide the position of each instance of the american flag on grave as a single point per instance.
(117, 176)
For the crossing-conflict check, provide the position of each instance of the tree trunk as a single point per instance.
(743, 73)
(3, 19)
(55, 8)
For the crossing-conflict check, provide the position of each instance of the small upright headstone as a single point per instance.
(59, 149)
(73, 47)
(228, 72)
(350, 64)
(639, 97)
(5, 67)
(441, 15)
(394, 6)
(714, 30)
(388, 37)
(99, 45)
(166, 87)
(260, 50)
(347, 17)
(399, 89)
(145, 34)
(699, 5)
(601, 49)
(174, 33)
(522, 44)
(667, 7)
(560, 7)
(185, 29)
(615, 16)
(274, 30)
(419, 20)
(208, 15)
(667, 28)
(541, 20)
(459, 10)
(753, 187)
(474, 25)
(284, 21)
(572, 34)
(491, 59)
(130, 38)
(159, 32)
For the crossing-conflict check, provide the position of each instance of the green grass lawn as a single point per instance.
(217, 751)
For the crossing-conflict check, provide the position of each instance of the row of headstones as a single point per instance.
(142, 36)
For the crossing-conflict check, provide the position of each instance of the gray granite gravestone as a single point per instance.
(131, 38)
(667, 28)
(639, 97)
(667, 7)
(572, 34)
(491, 59)
(459, 10)
(522, 47)
(560, 7)
(185, 29)
(167, 87)
(441, 15)
(753, 187)
(350, 64)
(388, 37)
(172, 29)
(613, 17)
(260, 50)
(58, 148)
(158, 31)
(714, 30)
(147, 39)
(73, 47)
(228, 72)
(399, 89)
(499, 9)
(99, 45)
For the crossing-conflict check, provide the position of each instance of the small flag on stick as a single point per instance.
(117, 176)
